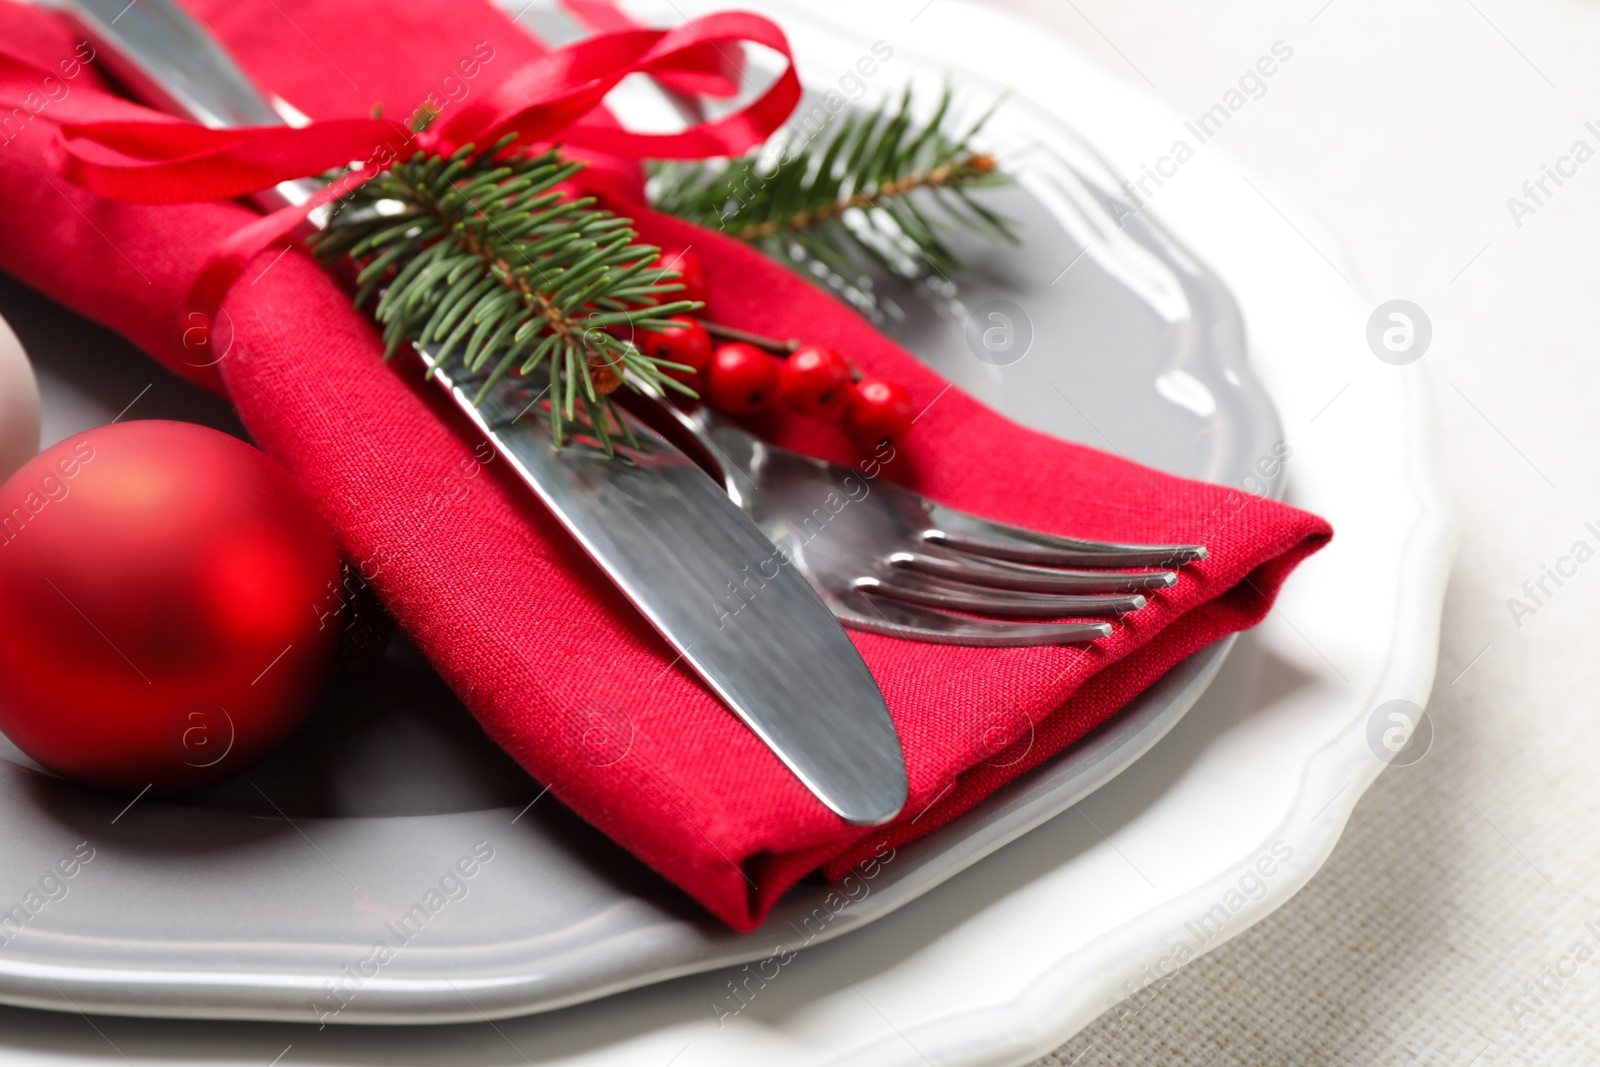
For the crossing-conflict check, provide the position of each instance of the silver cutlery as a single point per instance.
(672, 541)
(889, 560)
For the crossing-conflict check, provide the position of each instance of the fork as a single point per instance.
(888, 560)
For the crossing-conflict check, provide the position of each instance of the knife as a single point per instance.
(670, 538)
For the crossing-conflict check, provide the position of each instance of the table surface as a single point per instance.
(1451, 924)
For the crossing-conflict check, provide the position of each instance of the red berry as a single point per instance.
(691, 275)
(742, 378)
(685, 342)
(877, 410)
(813, 379)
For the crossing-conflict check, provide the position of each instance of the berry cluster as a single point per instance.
(749, 374)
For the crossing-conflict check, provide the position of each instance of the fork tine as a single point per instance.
(994, 540)
(949, 596)
(1067, 553)
(899, 619)
(997, 574)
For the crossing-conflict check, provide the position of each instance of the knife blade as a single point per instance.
(703, 574)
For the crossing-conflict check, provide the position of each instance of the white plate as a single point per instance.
(1012, 956)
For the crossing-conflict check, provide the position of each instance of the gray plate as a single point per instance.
(215, 906)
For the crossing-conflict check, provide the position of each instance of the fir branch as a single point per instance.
(875, 190)
(482, 258)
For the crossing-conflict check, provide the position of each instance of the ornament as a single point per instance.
(165, 590)
(877, 410)
(19, 405)
(813, 380)
(742, 379)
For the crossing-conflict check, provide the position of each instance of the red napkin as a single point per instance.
(508, 609)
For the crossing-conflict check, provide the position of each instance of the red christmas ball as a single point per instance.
(171, 606)
(813, 379)
(691, 274)
(877, 410)
(684, 342)
(742, 379)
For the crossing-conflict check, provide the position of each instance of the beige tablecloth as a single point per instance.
(1458, 922)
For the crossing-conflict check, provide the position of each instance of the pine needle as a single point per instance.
(484, 260)
(872, 191)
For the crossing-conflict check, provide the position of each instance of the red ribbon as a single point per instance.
(555, 98)
(715, 72)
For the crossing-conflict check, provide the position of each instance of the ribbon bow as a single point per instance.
(555, 98)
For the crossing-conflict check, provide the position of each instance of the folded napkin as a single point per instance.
(510, 611)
